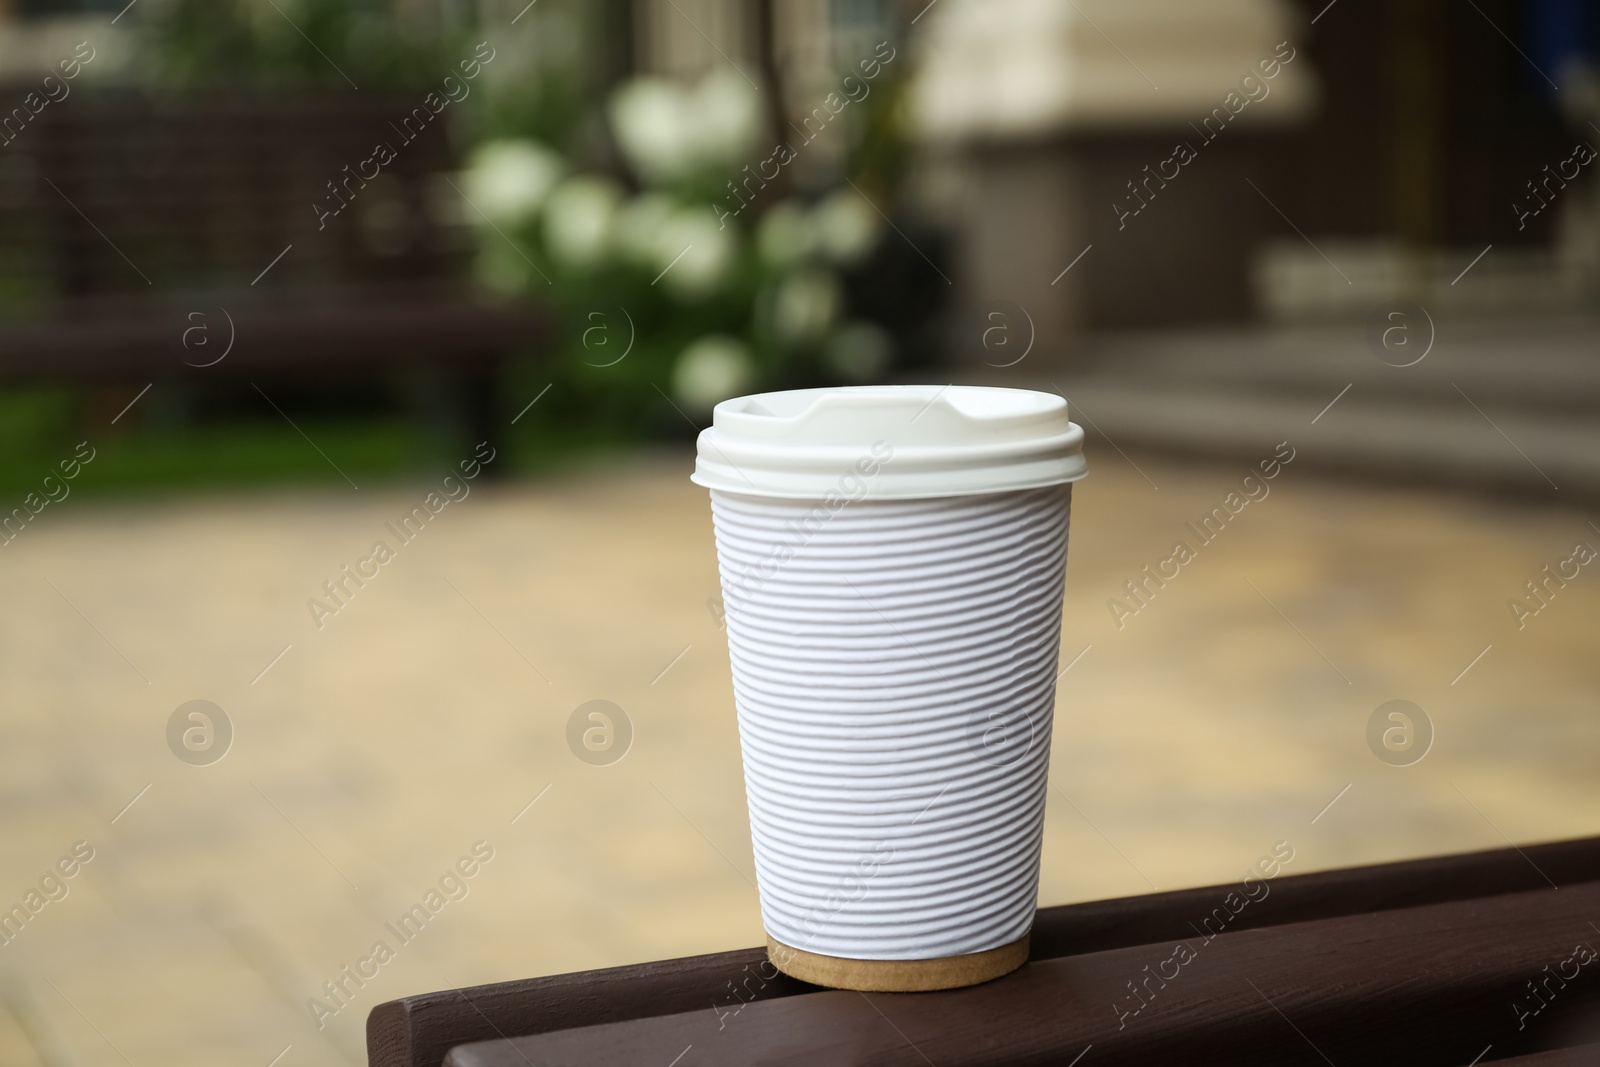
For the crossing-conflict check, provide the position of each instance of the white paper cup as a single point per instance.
(892, 562)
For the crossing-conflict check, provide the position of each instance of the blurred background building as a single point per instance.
(896, 189)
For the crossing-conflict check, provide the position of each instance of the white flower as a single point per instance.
(711, 370)
(579, 219)
(846, 227)
(694, 250)
(650, 118)
(785, 235)
(667, 131)
(859, 352)
(804, 307)
(726, 118)
(508, 180)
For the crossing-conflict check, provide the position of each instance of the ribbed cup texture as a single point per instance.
(894, 669)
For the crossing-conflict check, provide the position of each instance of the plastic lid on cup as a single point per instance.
(899, 441)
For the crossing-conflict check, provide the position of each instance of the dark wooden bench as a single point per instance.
(146, 235)
(1452, 961)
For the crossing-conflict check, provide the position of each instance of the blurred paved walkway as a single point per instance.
(426, 715)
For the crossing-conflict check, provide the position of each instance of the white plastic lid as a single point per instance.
(889, 442)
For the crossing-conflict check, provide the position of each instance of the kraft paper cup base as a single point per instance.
(897, 976)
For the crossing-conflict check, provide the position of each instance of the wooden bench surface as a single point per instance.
(128, 341)
(1425, 961)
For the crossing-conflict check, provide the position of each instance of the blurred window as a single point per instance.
(856, 27)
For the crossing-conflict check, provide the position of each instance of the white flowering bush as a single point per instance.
(659, 288)
(509, 180)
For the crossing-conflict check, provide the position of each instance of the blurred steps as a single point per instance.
(1505, 405)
